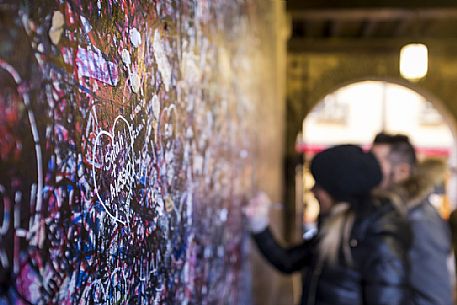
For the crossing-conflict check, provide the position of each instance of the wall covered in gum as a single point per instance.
(126, 150)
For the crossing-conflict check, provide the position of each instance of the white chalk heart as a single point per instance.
(114, 158)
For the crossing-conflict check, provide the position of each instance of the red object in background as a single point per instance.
(443, 152)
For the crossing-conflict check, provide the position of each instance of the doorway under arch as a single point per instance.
(354, 113)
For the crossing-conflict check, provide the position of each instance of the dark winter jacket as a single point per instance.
(431, 242)
(378, 243)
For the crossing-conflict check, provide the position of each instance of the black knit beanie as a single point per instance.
(346, 172)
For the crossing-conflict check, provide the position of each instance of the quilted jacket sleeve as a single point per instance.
(286, 260)
(385, 268)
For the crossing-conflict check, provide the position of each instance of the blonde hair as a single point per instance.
(335, 234)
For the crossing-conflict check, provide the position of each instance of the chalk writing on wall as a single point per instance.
(125, 150)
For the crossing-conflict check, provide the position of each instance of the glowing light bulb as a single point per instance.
(413, 61)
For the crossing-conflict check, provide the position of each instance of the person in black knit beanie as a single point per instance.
(359, 256)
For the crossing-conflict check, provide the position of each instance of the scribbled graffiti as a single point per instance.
(125, 150)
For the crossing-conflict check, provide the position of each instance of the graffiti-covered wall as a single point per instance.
(127, 147)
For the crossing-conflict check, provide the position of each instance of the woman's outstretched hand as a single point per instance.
(257, 212)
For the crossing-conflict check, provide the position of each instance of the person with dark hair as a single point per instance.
(396, 155)
(409, 186)
(359, 256)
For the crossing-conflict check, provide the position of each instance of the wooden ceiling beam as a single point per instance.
(367, 45)
(331, 29)
(300, 5)
(379, 14)
(402, 26)
(368, 28)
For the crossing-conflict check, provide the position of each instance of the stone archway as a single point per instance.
(313, 75)
(436, 101)
(361, 102)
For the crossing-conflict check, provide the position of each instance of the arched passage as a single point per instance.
(354, 112)
(328, 88)
(311, 76)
